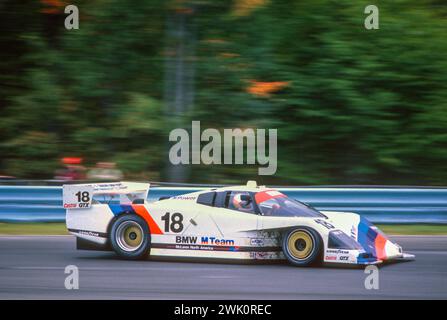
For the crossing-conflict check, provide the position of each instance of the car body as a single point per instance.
(246, 222)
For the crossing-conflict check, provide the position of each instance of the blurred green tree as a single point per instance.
(88, 89)
(352, 106)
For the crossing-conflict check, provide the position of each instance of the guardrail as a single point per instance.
(378, 204)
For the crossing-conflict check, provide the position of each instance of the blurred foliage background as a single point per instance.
(352, 106)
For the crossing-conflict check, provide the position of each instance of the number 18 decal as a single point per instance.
(83, 197)
(173, 223)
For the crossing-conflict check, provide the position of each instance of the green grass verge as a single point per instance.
(59, 229)
(50, 228)
(414, 229)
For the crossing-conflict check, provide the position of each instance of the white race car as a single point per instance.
(240, 222)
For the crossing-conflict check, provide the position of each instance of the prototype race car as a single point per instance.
(240, 222)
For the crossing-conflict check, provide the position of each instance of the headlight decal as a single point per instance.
(340, 240)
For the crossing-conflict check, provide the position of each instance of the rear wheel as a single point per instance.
(302, 246)
(130, 237)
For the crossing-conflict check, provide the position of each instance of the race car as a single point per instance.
(248, 222)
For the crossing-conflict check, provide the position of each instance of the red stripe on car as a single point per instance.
(142, 212)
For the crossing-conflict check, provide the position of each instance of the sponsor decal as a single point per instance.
(264, 255)
(256, 242)
(89, 233)
(337, 251)
(216, 241)
(184, 198)
(337, 255)
(192, 247)
(336, 258)
(185, 239)
(206, 243)
(77, 196)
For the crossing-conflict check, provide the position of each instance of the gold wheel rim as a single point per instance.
(300, 244)
(133, 236)
(129, 236)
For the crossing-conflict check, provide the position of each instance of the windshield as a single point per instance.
(274, 203)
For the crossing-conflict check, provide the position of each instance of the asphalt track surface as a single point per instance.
(32, 267)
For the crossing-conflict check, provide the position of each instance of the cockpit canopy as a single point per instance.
(266, 202)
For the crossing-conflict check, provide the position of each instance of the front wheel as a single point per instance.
(302, 246)
(130, 237)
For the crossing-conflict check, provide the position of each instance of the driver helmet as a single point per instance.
(239, 203)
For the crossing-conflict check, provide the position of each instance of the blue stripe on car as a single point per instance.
(120, 208)
(366, 238)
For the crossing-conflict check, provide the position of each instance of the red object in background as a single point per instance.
(73, 169)
(265, 89)
(53, 6)
(71, 160)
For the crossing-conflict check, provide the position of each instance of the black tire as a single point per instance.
(130, 237)
(302, 247)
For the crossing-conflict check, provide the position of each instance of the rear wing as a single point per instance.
(80, 196)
